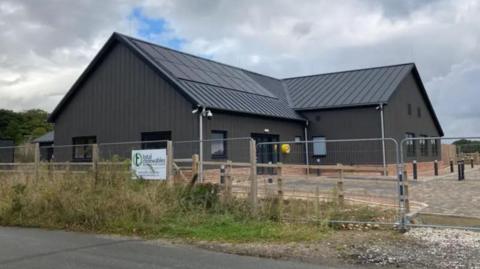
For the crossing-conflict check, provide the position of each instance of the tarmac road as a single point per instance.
(37, 248)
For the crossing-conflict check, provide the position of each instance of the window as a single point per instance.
(319, 146)
(410, 145)
(434, 146)
(158, 139)
(82, 150)
(423, 145)
(219, 145)
(298, 139)
(409, 109)
(419, 112)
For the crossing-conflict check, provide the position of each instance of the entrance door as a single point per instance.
(267, 152)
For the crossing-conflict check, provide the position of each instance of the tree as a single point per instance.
(23, 126)
(467, 146)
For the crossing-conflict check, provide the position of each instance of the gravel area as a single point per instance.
(423, 248)
(418, 248)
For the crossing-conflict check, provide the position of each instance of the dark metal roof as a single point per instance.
(225, 99)
(216, 85)
(224, 87)
(46, 138)
(347, 88)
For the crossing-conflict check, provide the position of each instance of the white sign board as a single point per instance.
(149, 164)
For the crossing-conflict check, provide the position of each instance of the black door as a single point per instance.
(267, 150)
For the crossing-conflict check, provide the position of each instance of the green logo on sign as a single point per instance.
(138, 159)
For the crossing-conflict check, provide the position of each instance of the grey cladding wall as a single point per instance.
(124, 98)
(346, 123)
(398, 122)
(7, 151)
(121, 99)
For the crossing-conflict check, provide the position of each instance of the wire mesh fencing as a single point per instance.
(338, 180)
(443, 178)
(321, 180)
(217, 161)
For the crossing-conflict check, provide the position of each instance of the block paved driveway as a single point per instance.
(447, 195)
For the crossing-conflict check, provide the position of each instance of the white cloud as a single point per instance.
(46, 44)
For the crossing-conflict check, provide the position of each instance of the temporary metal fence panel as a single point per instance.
(17, 162)
(219, 156)
(320, 180)
(351, 180)
(443, 178)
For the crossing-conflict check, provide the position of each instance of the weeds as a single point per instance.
(113, 203)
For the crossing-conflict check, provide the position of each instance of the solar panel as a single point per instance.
(189, 67)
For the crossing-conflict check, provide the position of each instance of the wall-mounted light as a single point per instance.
(266, 130)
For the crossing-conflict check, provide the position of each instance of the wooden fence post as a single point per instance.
(37, 161)
(195, 160)
(228, 179)
(280, 189)
(280, 180)
(253, 175)
(340, 195)
(170, 174)
(95, 162)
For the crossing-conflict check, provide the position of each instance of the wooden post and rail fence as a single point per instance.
(174, 170)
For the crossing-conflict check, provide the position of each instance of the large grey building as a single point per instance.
(138, 91)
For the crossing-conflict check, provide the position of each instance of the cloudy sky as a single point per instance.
(45, 45)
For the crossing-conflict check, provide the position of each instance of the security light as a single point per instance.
(209, 114)
(196, 109)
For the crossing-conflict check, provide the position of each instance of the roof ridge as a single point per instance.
(193, 55)
(350, 70)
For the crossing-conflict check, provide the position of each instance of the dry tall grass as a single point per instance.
(114, 203)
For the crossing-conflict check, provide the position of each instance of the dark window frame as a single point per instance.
(411, 145)
(423, 145)
(434, 146)
(85, 144)
(409, 109)
(419, 112)
(155, 143)
(224, 154)
(313, 146)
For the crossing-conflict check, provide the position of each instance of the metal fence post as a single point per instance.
(435, 168)
(403, 196)
(253, 175)
(340, 195)
(451, 166)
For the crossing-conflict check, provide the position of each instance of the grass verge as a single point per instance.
(116, 204)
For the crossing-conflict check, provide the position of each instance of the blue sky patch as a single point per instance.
(155, 29)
